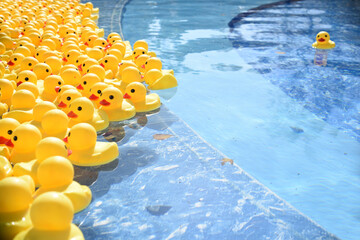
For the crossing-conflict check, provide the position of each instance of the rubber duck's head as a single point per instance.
(16, 195)
(322, 37)
(116, 53)
(5, 168)
(91, 40)
(138, 51)
(41, 108)
(88, 63)
(54, 122)
(53, 83)
(7, 127)
(26, 76)
(135, 92)
(112, 35)
(131, 74)
(109, 62)
(39, 54)
(141, 60)
(81, 109)
(152, 75)
(67, 97)
(30, 87)
(25, 138)
(141, 43)
(96, 91)
(28, 63)
(124, 64)
(49, 147)
(71, 56)
(71, 76)
(51, 211)
(111, 97)
(55, 172)
(23, 99)
(95, 53)
(81, 136)
(100, 42)
(87, 81)
(7, 88)
(79, 61)
(153, 63)
(98, 70)
(55, 63)
(42, 70)
(15, 60)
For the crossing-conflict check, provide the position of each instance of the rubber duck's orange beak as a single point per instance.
(10, 63)
(143, 66)
(69, 151)
(18, 83)
(71, 114)
(3, 140)
(86, 44)
(80, 87)
(57, 88)
(321, 40)
(64, 59)
(127, 96)
(104, 102)
(66, 140)
(93, 97)
(101, 64)
(62, 105)
(80, 68)
(9, 143)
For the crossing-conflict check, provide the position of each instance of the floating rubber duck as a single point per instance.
(51, 215)
(96, 92)
(28, 63)
(55, 124)
(141, 43)
(24, 141)
(86, 82)
(129, 75)
(38, 112)
(116, 53)
(55, 63)
(32, 87)
(71, 56)
(138, 51)
(71, 76)
(140, 62)
(47, 147)
(98, 70)
(15, 60)
(23, 102)
(86, 64)
(42, 70)
(323, 41)
(124, 64)
(7, 90)
(52, 85)
(16, 197)
(7, 127)
(5, 168)
(95, 53)
(155, 63)
(57, 174)
(86, 151)
(158, 80)
(26, 76)
(66, 98)
(136, 93)
(110, 62)
(82, 110)
(117, 108)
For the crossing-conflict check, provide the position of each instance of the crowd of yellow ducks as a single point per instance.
(61, 82)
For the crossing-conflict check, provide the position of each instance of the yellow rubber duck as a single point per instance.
(7, 127)
(140, 62)
(124, 64)
(119, 46)
(141, 43)
(71, 56)
(57, 174)
(323, 41)
(32, 87)
(51, 216)
(96, 92)
(136, 93)
(3, 107)
(95, 53)
(28, 63)
(155, 63)
(116, 53)
(38, 112)
(86, 82)
(110, 62)
(82, 110)
(86, 64)
(65, 98)
(158, 80)
(23, 50)
(86, 151)
(129, 75)
(47, 147)
(26, 76)
(5, 168)
(71, 76)
(24, 141)
(55, 124)
(15, 60)
(138, 51)
(98, 70)
(23, 102)
(55, 64)
(42, 70)
(117, 108)
(7, 90)
(52, 85)
(16, 197)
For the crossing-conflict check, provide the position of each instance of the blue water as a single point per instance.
(255, 95)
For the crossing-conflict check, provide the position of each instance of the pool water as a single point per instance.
(254, 93)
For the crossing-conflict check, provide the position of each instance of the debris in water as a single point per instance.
(225, 160)
(158, 210)
(162, 136)
(297, 130)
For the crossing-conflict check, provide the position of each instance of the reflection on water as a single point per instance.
(320, 58)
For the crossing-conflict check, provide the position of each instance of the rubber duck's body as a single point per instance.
(129, 75)
(54, 123)
(159, 80)
(51, 216)
(82, 110)
(23, 102)
(117, 108)
(7, 90)
(38, 112)
(136, 93)
(50, 85)
(56, 174)
(86, 151)
(16, 197)
(5, 168)
(323, 41)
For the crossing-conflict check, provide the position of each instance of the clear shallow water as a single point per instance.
(309, 162)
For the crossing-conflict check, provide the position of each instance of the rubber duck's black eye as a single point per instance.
(83, 64)
(38, 36)
(325, 35)
(318, 36)
(103, 43)
(87, 70)
(132, 90)
(47, 70)
(77, 61)
(26, 79)
(37, 53)
(67, 32)
(68, 55)
(68, 98)
(145, 62)
(59, 83)
(15, 138)
(99, 91)
(69, 134)
(106, 61)
(65, 147)
(10, 132)
(79, 108)
(30, 64)
(111, 97)
(134, 53)
(143, 52)
(89, 40)
(59, 89)
(85, 82)
(15, 59)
